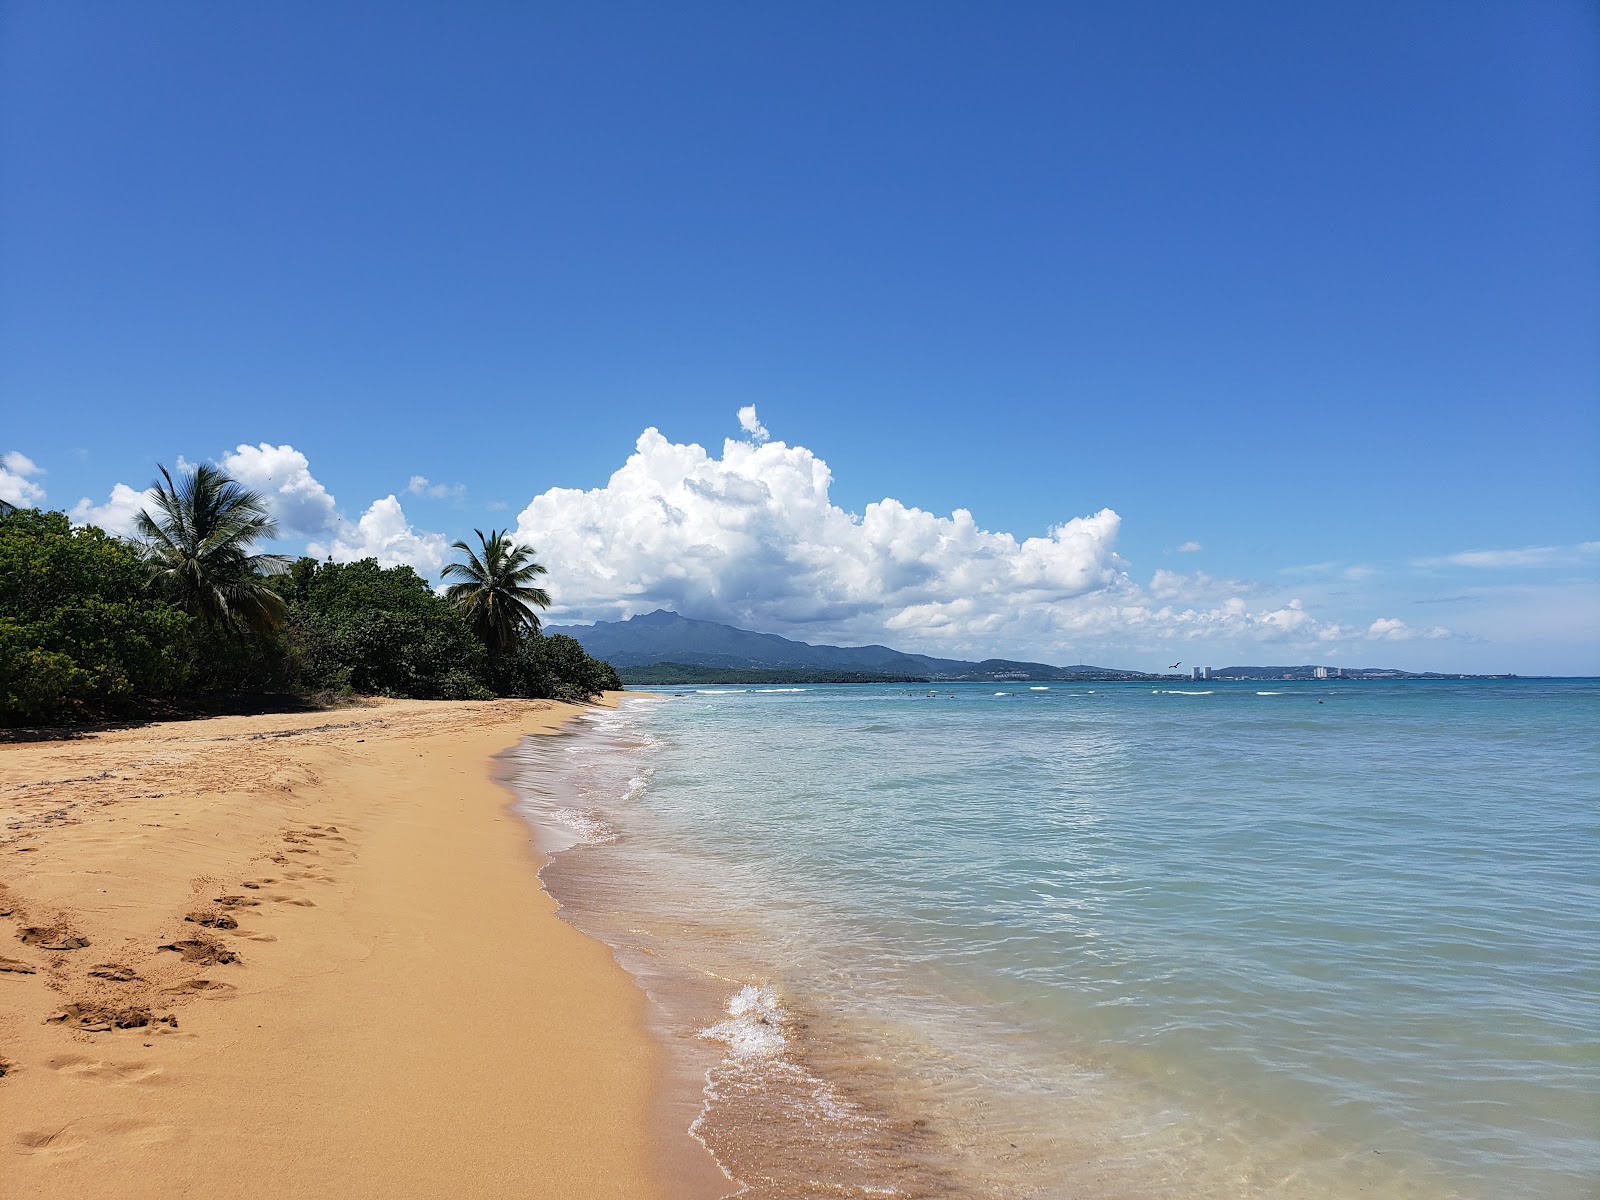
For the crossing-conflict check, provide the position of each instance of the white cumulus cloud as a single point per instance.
(117, 514)
(384, 533)
(17, 484)
(752, 424)
(282, 475)
(752, 538)
(1190, 548)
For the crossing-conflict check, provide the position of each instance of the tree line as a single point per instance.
(188, 615)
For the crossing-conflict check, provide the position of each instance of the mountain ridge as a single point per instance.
(663, 638)
(663, 647)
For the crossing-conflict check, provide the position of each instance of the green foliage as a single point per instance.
(373, 629)
(379, 630)
(224, 661)
(496, 592)
(91, 625)
(554, 667)
(345, 588)
(78, 630)
(198, 547)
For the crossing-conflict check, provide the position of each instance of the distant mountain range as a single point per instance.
(662, 647)
(664, 638)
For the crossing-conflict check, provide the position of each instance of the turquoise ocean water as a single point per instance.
(1220, 939)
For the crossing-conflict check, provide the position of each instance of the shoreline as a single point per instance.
(684, 1167)
(406, 1015)
(778, 1112)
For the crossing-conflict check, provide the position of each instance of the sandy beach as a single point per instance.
(304, 955)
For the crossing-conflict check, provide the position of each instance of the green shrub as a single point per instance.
(82, 633)
(379, 630)
(552, 667)
(79, 632)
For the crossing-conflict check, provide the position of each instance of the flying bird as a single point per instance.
(1176, 665)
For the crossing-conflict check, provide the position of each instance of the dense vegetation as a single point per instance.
(77, 625)
(383, 631)
(189, 618)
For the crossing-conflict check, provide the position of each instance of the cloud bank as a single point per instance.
(752, 538)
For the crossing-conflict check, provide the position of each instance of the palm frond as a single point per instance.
(198, 541)
(493, 593)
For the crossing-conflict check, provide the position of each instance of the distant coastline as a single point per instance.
(668, 674)
(663, 648)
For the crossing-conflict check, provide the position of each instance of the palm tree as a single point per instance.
(495, 594)
(198, 547)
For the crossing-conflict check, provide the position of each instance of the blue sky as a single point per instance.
(1313, 287)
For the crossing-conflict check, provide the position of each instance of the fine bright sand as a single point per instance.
(303, 955)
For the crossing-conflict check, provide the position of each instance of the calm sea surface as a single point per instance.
(1220, 939)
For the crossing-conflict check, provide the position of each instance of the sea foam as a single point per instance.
(754, 1028)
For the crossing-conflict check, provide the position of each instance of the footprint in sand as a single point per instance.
(213, 920)
(68, 1139)
(202, 950)
(16, 966)
(331, 832)
(52, 937)
(95, 1017)
(79, 1067)
(115, 972)
(236, 901)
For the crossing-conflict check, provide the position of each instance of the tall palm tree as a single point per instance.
(198, 546)
(496, 592)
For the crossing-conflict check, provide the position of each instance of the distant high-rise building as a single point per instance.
(1194, 673)
(1322, 672)
(1205, 672)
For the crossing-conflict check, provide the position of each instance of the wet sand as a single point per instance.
(304, 955)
